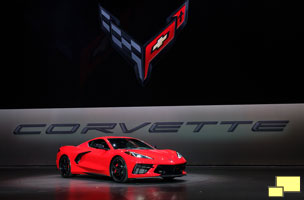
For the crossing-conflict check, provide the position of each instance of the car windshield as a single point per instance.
(126, 143)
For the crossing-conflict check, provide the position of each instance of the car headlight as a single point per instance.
(179, 155)
(137, 155)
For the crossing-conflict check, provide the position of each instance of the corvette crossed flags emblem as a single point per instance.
(137, 42)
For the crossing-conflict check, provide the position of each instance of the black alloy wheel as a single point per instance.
(118, 170)
(65, 167)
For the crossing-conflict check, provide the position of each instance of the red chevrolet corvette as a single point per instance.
(121, 158)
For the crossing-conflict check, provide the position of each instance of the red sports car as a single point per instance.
(121, 158)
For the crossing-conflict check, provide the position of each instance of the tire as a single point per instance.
(118, 170)
(65, 167)
(168, 178)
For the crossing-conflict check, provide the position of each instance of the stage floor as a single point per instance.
(201, 183)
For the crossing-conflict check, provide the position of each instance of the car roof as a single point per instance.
(109, 137)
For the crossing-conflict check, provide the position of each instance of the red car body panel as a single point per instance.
(98, 161)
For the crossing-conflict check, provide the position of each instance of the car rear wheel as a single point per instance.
(65, 167)
(118, 170)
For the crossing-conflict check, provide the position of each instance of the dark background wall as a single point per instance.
(212, 145)
(230, 52)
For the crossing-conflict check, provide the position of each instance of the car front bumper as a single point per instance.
(157, 170)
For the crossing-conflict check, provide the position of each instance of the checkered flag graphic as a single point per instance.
(123, 42)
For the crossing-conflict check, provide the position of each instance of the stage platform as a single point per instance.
(202, 182)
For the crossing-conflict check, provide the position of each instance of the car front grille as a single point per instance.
(170, 169)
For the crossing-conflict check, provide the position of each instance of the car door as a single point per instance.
(95, 161)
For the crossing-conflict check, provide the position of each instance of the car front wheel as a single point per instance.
(118, 170)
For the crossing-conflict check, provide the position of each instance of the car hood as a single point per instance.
(165, 155)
